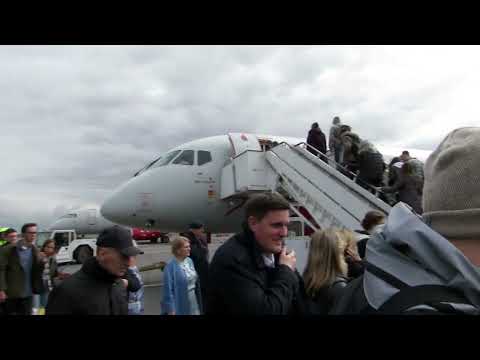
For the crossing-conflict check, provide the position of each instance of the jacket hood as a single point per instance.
(366, 146)
(414, 253)
(316, 130)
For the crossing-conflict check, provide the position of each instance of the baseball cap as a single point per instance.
(118, 238)
(195, 225)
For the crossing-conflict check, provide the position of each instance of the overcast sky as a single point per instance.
(77, 121)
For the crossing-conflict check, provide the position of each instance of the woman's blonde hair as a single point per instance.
(348, 241)
(177, 244)
(325, 261)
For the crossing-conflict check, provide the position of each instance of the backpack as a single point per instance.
(437, 297)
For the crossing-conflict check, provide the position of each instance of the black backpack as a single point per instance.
(436, 297)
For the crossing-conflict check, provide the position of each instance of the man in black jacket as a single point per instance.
(99, 287)
(199, 254)
(252, 273)
(316, 139)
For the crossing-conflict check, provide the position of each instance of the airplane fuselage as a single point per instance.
(184, 185)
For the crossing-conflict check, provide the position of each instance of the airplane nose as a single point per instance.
(124, 204)
(113, 208)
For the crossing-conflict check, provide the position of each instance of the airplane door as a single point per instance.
(202, 175)
(241, 142)
(92, 217)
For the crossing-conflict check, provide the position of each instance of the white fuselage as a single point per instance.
(84, 221)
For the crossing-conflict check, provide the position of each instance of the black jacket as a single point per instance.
(371, 167)
(323, 300)
(409, 189)
(316, 138)
(90, 291)
(199, 256)
(241, 283)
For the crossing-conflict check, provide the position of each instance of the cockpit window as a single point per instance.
(185, 158)
(204, 157)
(69, 216)
(166, 159)
(148, 166)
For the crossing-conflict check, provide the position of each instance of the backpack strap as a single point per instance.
(435, 296)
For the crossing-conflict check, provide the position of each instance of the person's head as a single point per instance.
(197, 228)
(336, 120)
(325, 261)
(11, 235)
(372, 219)
(180, 247)
(405, 156)
(451, 193)
(267, 216)
(29, 233)
(351, 139)
(315, 125)
(344, 129)
(48, 247)
(115, 249)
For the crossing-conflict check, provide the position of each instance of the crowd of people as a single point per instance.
(420, 259)
(359, 159)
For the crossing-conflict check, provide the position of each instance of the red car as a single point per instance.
(142, 234)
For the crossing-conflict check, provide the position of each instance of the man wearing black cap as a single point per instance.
(98, 288)
(199, 253)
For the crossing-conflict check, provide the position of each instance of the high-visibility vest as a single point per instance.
(3, 241)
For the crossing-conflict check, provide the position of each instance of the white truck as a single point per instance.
(70, 248)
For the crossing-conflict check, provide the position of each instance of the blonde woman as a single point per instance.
(325, 275)
(348, 245)
(181, 290)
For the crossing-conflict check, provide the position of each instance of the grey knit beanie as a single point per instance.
(451, 193)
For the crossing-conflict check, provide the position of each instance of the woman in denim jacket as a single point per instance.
(181, 290)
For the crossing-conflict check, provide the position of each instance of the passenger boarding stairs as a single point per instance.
(331, 198)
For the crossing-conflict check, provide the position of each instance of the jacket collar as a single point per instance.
(247, 238)
(93, 269)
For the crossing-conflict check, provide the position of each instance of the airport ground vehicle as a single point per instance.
(70, 248)
(139, 234)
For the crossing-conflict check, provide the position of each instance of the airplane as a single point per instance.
(88, 221)
(186, 183)
(85, 221)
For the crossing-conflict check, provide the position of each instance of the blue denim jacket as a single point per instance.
(175, 294)
(135, 299)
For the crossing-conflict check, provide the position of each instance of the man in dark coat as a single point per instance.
(316, 138)
(199, 254)
(252, 273)
(21, 270)
(99, 287)
(370, 166)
